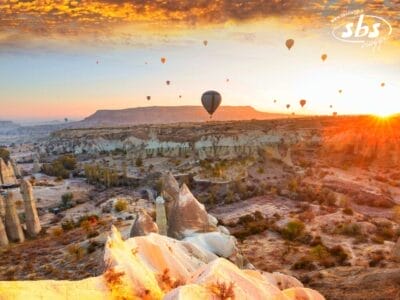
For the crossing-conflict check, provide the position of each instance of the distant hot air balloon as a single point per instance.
(289, 43)
(145, 63)
(211, 101)
(293, 113)
(330, 106)
(97, 62)
(163, 60)
(275, 101)
(205, 42)
(287, 106)
(66, 120)
(303, 102)
(180, 96)
(227, 80)
(382, 84)
(340, 91)
(334, 113)
(324, 57)
(168, 82)
(148, 98)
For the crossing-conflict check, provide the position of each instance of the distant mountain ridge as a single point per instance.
(171, 114)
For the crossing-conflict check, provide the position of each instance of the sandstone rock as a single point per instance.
(31, 216)
(2, 207)
(3, 234)
(161, 217)
(143, 225)
(396, 251)
(218, 243)
(151, 267)
(187, 216)
(12, 222)
(17, 171)
(170, 187)
(7, 176)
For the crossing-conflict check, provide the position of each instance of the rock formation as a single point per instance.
(2, 208)
(143, 225)
(7, 176)
(3, 234)
(17, 171)
(12, 222)
(32, 219)
(161, 217)
(158, 267)
(170, 190)
(187, 216)
(396, 251)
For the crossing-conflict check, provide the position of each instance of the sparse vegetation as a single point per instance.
(120, 205)
(62, 167)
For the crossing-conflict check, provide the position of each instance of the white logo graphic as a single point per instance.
(360, 28)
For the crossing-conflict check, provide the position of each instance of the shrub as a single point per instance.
(139, 162)
(4, 154)
(120, 205)
(68, 224)
(304, 263)
(77, 252)
(293, 230)
(61, 167)
(350, 229)
(66, 200)
(348, 211)
(57, 232)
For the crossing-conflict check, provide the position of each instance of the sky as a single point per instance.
(67, 59)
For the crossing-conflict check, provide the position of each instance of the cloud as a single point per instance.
(98, 20)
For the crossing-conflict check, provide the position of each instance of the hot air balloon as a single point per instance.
(289, 43)
(382, 84)
(163, 60)
(275, 101)
(324, 57)
(211, 101)
(168, 82)
(287, 106)
(148, 98)
(65, 120)
(340, 91)
(330, 106)
(303, 102)
(180, 96)
(227, 80)
(97, 62)
(205, 42)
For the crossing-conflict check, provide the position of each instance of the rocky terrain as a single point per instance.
(317, 199)
(171, 114)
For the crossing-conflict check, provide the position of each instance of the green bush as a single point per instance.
(68, 224)
(293, 230)
(4, 154)
(120, 205)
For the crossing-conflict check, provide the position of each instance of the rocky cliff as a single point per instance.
(7, 176)
(171, 114)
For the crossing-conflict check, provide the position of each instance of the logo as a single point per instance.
(360, 28)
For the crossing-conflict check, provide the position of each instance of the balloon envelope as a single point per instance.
(303, 102)
(211, 101)
(205, 42)
(168, 82)
(163, 60)
(340, 91)
(324, 57)
(287, 106)
(382, 84)
(148, 98)
(289, 43)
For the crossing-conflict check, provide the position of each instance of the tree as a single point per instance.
(4, 154)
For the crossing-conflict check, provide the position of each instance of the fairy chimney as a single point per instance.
(13, 225)
(32, 220)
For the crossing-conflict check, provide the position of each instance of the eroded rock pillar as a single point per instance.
(12, 222)
(31, 216)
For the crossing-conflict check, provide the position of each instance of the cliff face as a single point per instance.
(171, 114)
(223, 140)
(7, 176)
